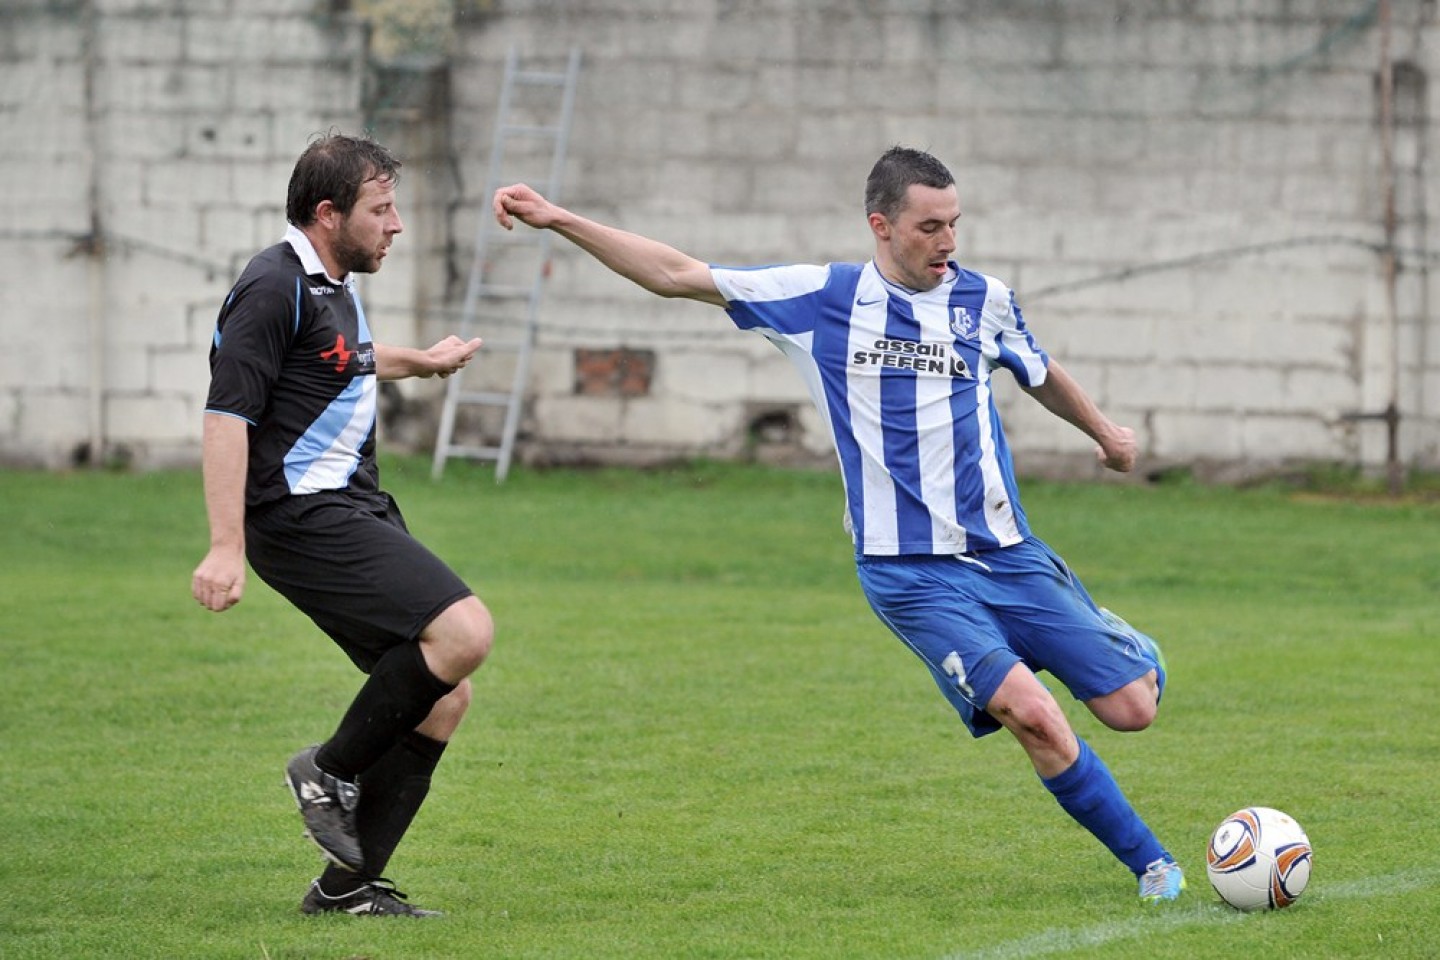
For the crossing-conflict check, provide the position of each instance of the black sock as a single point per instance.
(396, 698)
(391, 793)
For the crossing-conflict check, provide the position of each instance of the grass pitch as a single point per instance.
(694, 740)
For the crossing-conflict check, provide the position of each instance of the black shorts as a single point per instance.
(351, 565)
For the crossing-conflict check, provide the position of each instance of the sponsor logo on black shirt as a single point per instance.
(338, 353)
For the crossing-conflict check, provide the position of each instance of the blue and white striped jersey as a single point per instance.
(902, 379)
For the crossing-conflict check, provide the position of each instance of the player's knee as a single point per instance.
(1037, 721)
(1130, 720)
(1130, 709)
(461, 638)
(478, 634)
(1048, 728)
(1139, 715)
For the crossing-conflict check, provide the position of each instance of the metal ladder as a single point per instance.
(510, 267)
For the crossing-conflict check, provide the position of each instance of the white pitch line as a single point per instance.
(1049, 942)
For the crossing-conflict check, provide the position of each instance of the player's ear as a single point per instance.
(880, 226)
(326, 213)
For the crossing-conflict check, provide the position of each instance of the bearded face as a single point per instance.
(366, 232)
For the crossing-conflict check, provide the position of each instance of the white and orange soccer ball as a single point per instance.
(1259, 859)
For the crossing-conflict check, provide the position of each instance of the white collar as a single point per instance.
(309, 259)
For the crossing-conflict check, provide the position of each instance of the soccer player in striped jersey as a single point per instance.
(292, 485)
(898, 355)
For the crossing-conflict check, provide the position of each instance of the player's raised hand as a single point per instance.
(522, 203)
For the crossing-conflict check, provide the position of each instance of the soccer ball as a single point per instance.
(1259, 859)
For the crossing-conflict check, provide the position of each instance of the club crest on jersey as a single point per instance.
(963, 323)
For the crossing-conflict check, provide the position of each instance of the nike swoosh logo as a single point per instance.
(867, 303)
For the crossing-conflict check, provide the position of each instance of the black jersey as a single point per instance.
(292, 356)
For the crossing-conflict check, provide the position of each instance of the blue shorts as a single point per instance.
(971, 618)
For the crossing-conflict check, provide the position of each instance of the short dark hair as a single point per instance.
(333, 168)
(893, 174)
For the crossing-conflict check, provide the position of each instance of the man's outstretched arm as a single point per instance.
(443, 359)
(1064, 397)
(661, 269)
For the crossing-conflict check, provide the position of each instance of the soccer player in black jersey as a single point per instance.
(292, 485)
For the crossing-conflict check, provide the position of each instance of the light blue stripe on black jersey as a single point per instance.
(318, 441)
(228, 300)
(364, 329)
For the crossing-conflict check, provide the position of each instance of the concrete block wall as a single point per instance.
(148, 145)
(1186, 198)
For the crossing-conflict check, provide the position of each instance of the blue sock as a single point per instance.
(1087, 791)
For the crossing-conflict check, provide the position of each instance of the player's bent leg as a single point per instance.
(1024, 707)
(1087, 791)
(1130, 708)
(1081, 782)
(392, 793)
(457, 641)
(400, 694)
